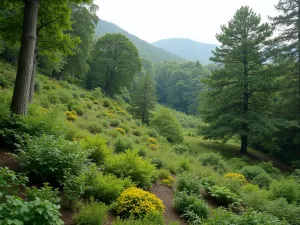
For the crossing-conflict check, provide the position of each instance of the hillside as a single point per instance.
(187, 49)
(146, 50)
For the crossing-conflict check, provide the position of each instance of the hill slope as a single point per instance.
(187, 49)
(146, 50)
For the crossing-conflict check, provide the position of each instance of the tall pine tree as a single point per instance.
(237, 96)
(143, 98)
(288, 62)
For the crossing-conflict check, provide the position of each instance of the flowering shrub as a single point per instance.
(169, 181)
(121, 130)
(137, 202)
(153, 146)
(236, 177)
(71, 115)
(152, 140)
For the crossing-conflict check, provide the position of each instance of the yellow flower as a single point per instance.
(152, 140)
(153, 146)
(235, 176)
(121, 130)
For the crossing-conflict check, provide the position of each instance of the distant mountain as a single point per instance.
(146, 50)
(187, 49)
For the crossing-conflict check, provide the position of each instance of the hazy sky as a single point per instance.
(200, 20)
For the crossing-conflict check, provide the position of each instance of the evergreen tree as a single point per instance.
(115, 63)
(288, 64)
(143, 98)
(237, 97)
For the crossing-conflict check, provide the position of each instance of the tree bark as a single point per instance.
(32, 80)
(244, 140)
(19, 103)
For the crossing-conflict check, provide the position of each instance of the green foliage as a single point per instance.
(130, 164)
(188, 183)
(98, 146)
(250, 172)
(105, 187)
(168, 126)
(158, 162)
(285, 188)
(10, 182)
(221, 216)
(114, 64)
(155, 219)
(93, 214)
(115, 123)
(152, 133)
(143, 98)
(181, 149)
(283, 210)
(50, 158)
(190, 206)
(17, 211)
(215, 160)
(44, 193)
(122, 144)
(223, 195)
(263, 180)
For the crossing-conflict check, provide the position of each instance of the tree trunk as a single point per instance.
(244, 141)
(19, 104)
(32, 81)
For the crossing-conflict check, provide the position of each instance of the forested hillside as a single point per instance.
(146, 50)
(109, 130)
(187, 49)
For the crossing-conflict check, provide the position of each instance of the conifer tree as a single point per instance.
(143, 98)
(237, 96)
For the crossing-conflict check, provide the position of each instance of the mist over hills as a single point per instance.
(187, 49)
(146, 50)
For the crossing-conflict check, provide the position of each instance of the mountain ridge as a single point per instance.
(187, 48)
(146, 50)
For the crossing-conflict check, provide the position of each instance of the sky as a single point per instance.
(199, 20)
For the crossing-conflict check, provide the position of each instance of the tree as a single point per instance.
(288, 62)
(238, 95)
(114, 64)
(36, 16)
(143, 98)
(167, 126)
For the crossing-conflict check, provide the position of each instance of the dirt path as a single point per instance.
(166, 194)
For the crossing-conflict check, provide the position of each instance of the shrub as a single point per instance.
(189, 205)
(250, 172)
(168, 126)
(71, 116)
(121, 130)
(142, 153)
(130, 164)
(221, 216)
(122, 144)
(253, 196)
(188, 182)
(269, 168)
(237, 163)
(92, 214)
(16, 211)
(181, 149)
(44, 193)
(114, 123)
(223, 195)
(163, 173)
(263, 180)
(152, 140)
(138, 203)
(215, 160)
(153, 146)
(151, 219)
(158, 162)
(296, 175)
(92, 126)
(137, 133)
(169, 181)
(98, 146)
(79, 110)
(125, 128)
(96, 102)
(283, 210)
(105, 187)
(50, 158)
(286, 188)
(152, 133)
(10, 182)
(235, 177)
(106, 102)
